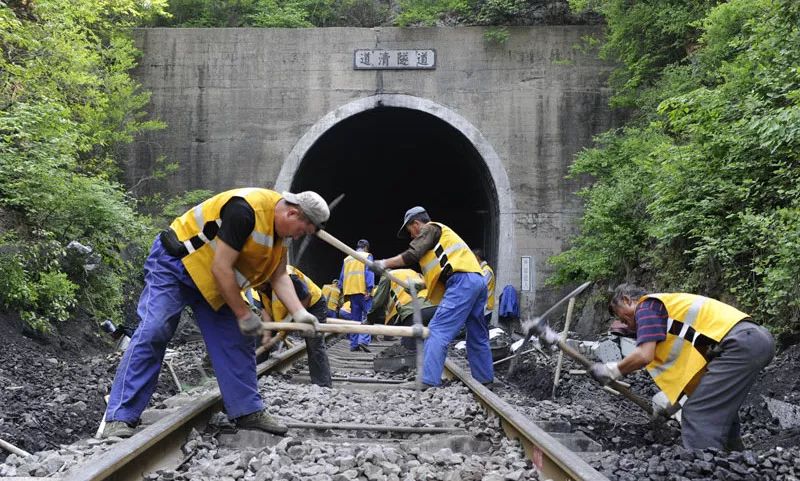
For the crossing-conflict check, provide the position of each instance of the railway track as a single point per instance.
(363, 428)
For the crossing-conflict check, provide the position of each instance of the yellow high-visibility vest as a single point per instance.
(451, 254)
(694, 322)
(278, 310)
(488, 276)
(257, 260)
(345, 308)
(400, 297)
(354, 280)
(332, 293)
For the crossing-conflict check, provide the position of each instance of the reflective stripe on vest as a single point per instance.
(451, 254)
(398, 296)
(354, 279)
(694, 324)
(259, 256)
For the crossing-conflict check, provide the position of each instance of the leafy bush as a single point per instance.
(67, 104)
(701, 192)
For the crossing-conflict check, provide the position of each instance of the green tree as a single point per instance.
(66, 103)
(700, 192)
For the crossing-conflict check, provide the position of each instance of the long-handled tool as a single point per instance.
(417, 316)
(373, 329)
(541, 329)
(307, 239)
(526, 326)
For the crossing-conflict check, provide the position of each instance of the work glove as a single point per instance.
(549, 336)
(305, 317)
(378, 267)
(250, 325)
(605, 373)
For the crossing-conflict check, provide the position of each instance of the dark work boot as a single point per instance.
(262, 421)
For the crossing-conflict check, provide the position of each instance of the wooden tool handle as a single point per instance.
(638, 400)
(375, 330)
(327, 237)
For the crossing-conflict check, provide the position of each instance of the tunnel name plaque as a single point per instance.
(407, 59)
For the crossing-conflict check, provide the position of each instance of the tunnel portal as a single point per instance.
(386, 160)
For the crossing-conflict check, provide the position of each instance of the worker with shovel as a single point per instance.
(393, 305)
(230, 242)
(311, 297)
(697, 347)
(454, 281)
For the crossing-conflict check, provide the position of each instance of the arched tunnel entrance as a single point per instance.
(386, 160)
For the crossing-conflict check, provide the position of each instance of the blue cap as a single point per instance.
(401, 234)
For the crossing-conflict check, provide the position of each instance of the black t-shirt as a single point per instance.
(238, 222)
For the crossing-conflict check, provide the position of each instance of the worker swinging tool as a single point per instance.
(418, 330)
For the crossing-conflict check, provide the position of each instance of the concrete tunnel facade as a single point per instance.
(484, 140)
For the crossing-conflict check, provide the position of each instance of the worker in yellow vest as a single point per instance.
(311, 297)
(345, 312)
(333, 296)
(357, 282)
(488, 276)
(455, 282)
(697, 347)
(393, 305)
(230, 242)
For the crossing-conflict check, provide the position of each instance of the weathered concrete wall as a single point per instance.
(237, 101)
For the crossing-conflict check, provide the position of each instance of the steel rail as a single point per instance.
(148, 446)
(149, 449)
(549, 456)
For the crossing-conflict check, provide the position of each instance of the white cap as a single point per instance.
(312, 205)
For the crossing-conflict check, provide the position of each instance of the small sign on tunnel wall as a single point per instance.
(372, 59)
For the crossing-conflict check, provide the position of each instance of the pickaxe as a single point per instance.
(526, 326)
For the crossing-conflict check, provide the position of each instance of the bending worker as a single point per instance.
(333, 294)
(488, 276)
(357, 282)
(697, 347)
(211, 253)
(311, 297)
(454, 282)
(394, 304)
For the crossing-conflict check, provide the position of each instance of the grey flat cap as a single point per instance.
(401, 234)
(312, 205)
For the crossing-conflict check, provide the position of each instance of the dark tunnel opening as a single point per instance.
(384, 161)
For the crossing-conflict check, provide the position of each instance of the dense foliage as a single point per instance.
(66, 103)
(701, 191)
(362, 13)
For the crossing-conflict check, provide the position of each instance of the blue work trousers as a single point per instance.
(168, 289)
(462, 306)
(359, 307)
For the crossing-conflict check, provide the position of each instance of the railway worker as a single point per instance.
(333, 296)
(394, 305)
(345, 312)
(697, 347)
(488, 276)
(357, 282)
(310, 296)
(455, 282)
(231, 241)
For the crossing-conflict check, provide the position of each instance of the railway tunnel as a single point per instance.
(386, 160)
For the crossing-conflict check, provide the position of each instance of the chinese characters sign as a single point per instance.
(394, 59)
